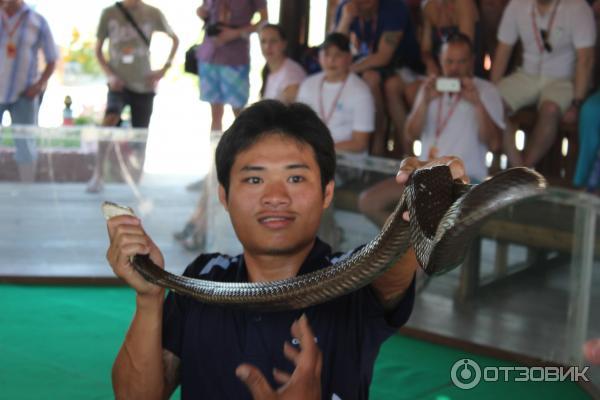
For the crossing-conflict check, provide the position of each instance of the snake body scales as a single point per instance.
(444, 218)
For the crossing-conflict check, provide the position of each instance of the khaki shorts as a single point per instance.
(521, 89)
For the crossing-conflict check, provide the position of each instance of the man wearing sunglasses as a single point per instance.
(558, 38)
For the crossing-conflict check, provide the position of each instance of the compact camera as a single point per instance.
(214, 29)
(447, 85)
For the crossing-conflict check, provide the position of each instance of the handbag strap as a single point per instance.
(129, 18)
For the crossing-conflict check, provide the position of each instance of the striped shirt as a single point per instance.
(31, 34)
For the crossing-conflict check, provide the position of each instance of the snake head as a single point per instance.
(431, 195)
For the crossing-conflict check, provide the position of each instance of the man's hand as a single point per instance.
(430, 92)
(305, 381)
(349, 11)
(227, 35)
(202, 12)
(127, 238)
(570, 116)
(34, 90)
(410, 164)
(115, 83)
(591, 350)
(469, 91)
(155, 76)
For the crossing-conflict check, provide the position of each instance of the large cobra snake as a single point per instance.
(444, 218)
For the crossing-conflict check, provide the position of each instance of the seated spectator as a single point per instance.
(558, 40)
(442, 19)
(342, 100)
(466, 124)
(281, 75)
(589, 143)
(386, 46)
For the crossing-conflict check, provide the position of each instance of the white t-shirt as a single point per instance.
(290, 73)
(460, 137)
(573, 28)
(355, 108)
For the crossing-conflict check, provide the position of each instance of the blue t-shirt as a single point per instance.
(212, 341)
(394, 16)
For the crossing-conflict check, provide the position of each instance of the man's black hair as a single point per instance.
(459, 38)
(297, 121)
(337, 39)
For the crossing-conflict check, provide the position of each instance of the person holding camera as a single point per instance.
(558, 38)
(224, 55)
(455, 114)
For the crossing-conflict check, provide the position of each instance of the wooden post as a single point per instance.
(293, 18)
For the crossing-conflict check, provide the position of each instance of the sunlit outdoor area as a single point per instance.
(409, 199)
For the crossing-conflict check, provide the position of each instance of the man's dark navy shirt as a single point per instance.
(392, 16)
(211, 341)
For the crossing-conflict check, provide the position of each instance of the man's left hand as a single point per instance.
(570, 116)
(469, 91)
(303, 384)
(34, 90)
(155, 76)
(410, 164)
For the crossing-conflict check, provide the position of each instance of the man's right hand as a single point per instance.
(115, 83)
(349, 11)
(430, 92)
(128, 238)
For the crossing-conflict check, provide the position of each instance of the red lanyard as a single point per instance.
(11, 32)
(441, 124)
(371, 43)
(327, 117)
(536, 31)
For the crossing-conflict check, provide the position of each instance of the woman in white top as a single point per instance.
(281, 75)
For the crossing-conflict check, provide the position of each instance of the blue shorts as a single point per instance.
(224, 84)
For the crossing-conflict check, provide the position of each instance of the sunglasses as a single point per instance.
(545, 36)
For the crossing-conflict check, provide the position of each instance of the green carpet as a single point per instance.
(60, 342)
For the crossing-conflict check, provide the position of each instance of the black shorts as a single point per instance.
(140, 104)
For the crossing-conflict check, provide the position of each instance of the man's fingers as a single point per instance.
(457, 169)
(280, 376)
(591, 350)
(290, 352)
(113, 223)
(407, 166)
(255, 382)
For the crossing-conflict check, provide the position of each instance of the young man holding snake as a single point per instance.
(275, 167)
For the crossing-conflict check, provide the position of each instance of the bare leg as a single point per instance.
(96, 182)
(376, 201)
(544, 133)
(515, 159)
(378, 141)
(394, 87)
(216, 122)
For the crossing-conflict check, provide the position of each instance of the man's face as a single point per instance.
(10, 3)
(364, 6)
(275, 198)
(335, 62)
(456, 60)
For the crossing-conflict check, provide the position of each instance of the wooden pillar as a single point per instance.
(293, 18)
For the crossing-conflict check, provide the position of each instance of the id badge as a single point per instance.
(128, 56)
